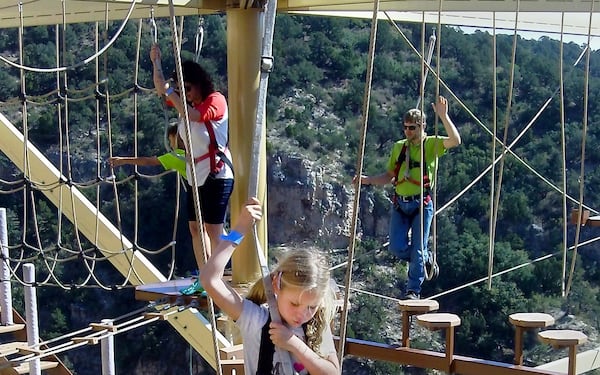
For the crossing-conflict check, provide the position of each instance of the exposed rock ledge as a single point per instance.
(303, 207)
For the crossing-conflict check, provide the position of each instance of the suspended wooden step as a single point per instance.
(11, 328)
(524, 322)
(586, 219)
(11, 348)
(169, 292)
(23, 368)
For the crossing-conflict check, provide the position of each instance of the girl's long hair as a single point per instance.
(307, 270)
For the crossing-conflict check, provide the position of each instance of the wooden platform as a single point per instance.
(11, 328)
(11, 348)
(586, 219)
(169, 291)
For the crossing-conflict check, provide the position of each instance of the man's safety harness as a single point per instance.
(411, 164)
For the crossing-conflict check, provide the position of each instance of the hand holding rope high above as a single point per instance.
(411, 168)
(211, 158)
(305, 300)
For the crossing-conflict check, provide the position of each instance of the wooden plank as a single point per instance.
(474, 366)
(103, 326)
(593, 221)
(88, 340)
(232, 352)
(11, 347)
(11, 328)
(229, 365)
(434, 360)
(23, 368)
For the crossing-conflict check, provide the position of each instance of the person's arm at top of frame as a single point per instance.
(441, 108)
(211, 276)
(116, 161)
(160, 84)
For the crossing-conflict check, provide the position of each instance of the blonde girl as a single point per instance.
(304, 300)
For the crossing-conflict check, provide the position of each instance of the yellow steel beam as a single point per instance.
(50, 12)
(243, 62)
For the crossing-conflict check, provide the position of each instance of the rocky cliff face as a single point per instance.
(304, 206)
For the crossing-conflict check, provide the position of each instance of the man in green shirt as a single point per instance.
(405, 172)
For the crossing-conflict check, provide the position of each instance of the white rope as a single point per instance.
(563, 144)
(496, 204)
(81, 63)
(583, 143)
(359, 169)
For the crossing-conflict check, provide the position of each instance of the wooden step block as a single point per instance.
(438, 320)
(418, 305)
(230, 365)
(152, 315)
(92, 340)
(11, 348)
(104, 326)
(23, 368)
(524, 322)
(531, 320)
(562, 337)
(11, 328)
(410, 307)
(232, 352)
(444, 321)
(565, 338)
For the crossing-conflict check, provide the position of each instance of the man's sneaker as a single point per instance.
(194, 289)
(411, 295)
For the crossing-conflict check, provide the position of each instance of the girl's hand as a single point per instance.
(281, 336)
(251, 212)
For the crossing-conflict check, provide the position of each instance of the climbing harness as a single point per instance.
(404, 157)
(214, 151)
(267, 350)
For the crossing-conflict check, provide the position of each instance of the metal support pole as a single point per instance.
(107, 345)
(5, 291)
(31, 315)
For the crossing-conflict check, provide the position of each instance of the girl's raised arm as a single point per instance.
(211, 275)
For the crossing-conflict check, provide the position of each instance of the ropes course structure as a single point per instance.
(83, 201)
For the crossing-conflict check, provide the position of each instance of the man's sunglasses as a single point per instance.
(410, 127)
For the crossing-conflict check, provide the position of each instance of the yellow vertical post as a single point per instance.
(244, 40)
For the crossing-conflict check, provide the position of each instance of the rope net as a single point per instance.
(104, 116)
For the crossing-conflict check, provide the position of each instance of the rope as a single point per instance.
(199, 39)
(71, 67)
(266, 66)
(505, 139)
(437, 42)
(563, 145)
(359, 168)
(192, 171)
(583, 143)
(479, 280)
(73, 339)
(493, 169)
